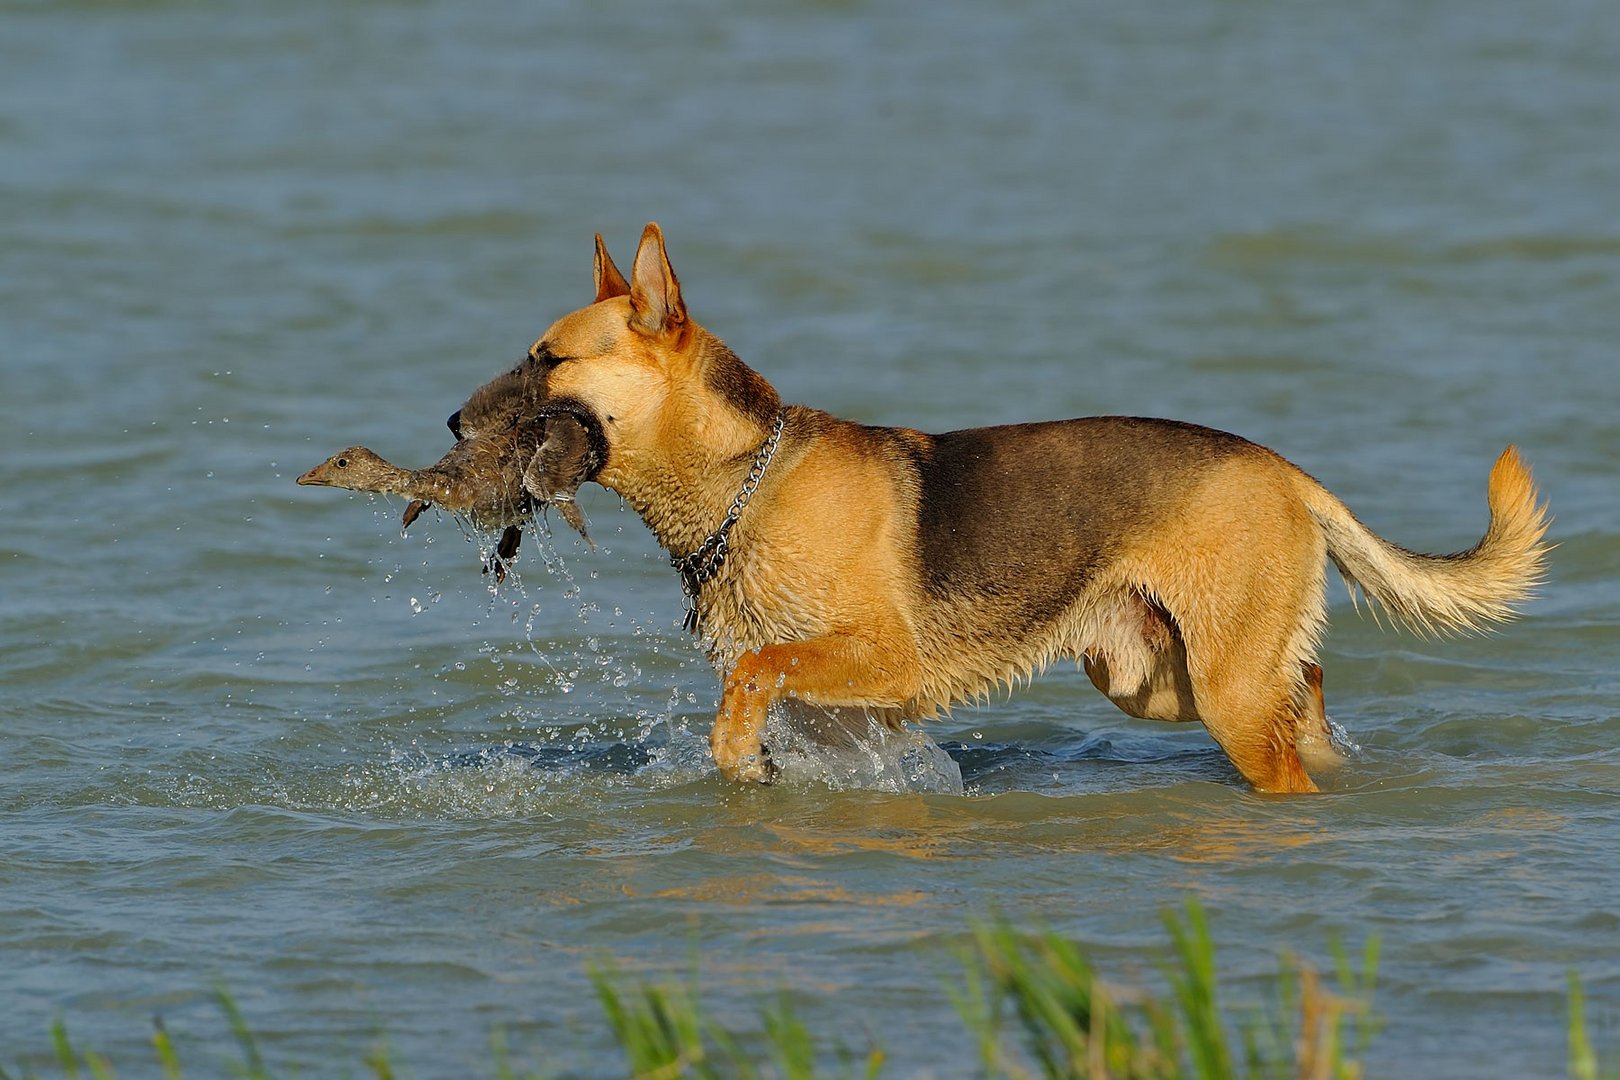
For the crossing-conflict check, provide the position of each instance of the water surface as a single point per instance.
(251, 736)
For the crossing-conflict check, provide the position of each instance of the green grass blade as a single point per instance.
(377, 1061)
(1582, 1060)
(973, 1005)
(65, 1057)
(792, 1048)
(252, 1060)
(164, 1046)
(660, 1029)
(1194, 983)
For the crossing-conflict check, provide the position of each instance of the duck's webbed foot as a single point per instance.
(505, 551)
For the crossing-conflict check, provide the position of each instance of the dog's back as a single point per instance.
(1037, 508)
(1031, 542)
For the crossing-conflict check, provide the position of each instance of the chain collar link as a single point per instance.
(700, 567)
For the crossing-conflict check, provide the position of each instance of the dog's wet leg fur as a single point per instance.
(829, 671)
(1242, 581)
(1251, 713)
(1156, 685)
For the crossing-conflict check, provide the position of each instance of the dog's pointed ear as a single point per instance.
(609, 282)
(656, 307)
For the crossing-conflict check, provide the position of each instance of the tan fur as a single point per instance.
(903, 572)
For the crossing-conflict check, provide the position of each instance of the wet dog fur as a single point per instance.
(904, 572)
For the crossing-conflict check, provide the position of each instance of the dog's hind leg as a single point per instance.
(1252, 713)
(1313, 737)
(1243, 582)
(1158, 685)
(1253, 689)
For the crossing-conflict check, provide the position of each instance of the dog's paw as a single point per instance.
(742, 763)
(739, 754)
(735, 739)
(754, 769)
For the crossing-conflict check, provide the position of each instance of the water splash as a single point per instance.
(843, 749)
(1341, 741)
(849, 749)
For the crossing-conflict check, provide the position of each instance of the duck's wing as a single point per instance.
(565, 460)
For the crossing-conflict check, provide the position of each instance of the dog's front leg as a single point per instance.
(830, 671)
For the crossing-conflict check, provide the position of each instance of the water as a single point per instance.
(250, 736)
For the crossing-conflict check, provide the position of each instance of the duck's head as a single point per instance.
(357, 469)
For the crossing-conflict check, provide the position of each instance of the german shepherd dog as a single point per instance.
(900, 572)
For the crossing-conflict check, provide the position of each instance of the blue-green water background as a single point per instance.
(251, 737)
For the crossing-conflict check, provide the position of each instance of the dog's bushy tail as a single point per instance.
(1436, 594)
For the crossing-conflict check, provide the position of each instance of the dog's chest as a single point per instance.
(753, 603)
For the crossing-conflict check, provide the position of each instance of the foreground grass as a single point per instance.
(1036, 1008)
(1032, 1003)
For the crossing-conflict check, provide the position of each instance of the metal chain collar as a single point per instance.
(700, 567)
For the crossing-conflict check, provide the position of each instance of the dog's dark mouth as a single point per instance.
(582, 413)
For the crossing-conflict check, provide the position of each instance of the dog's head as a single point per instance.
(652, 391)
(627, 391)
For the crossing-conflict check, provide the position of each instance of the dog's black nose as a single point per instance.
(454, 424)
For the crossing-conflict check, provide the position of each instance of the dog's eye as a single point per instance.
(543, 358)
(454, 424)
